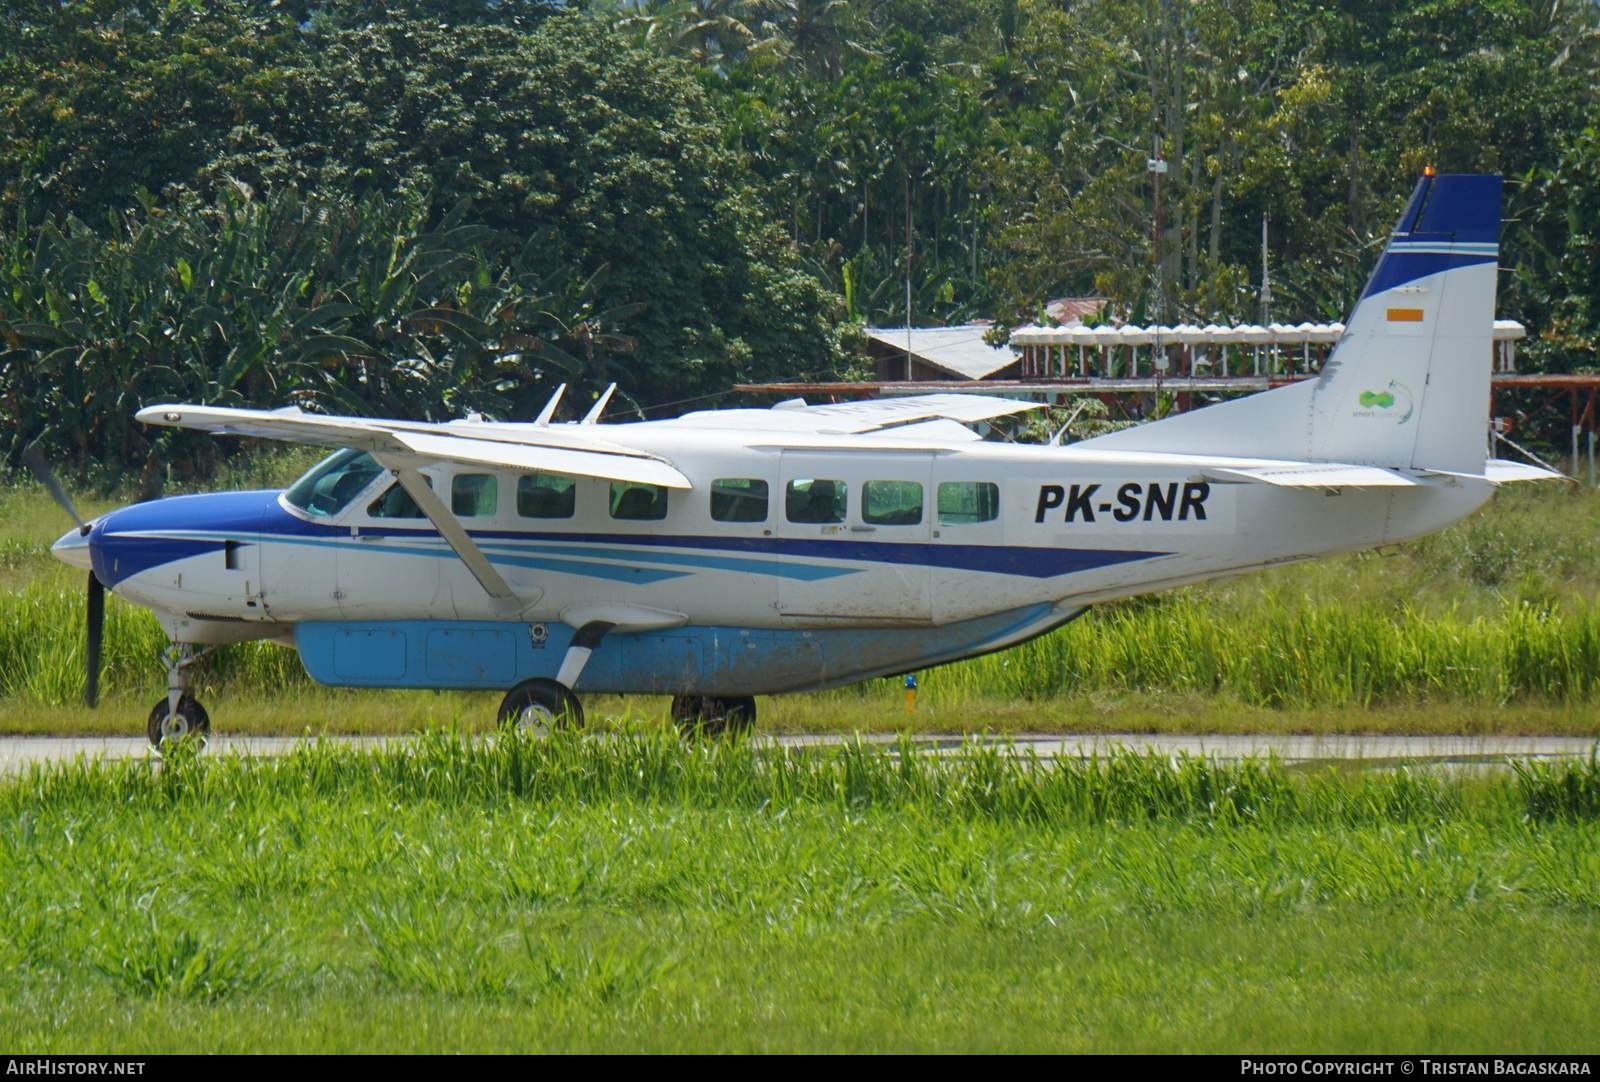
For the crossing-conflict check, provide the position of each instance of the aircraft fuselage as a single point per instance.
(788, 565)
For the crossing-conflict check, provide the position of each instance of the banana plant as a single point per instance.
(349, 306)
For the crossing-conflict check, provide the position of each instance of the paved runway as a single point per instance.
(17, 752)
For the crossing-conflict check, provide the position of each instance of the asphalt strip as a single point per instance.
(18, 752)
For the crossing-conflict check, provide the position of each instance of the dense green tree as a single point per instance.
(342, 306)
(611, 155)
(727, 185)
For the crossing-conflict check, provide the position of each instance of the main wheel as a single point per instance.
(712, 715)
(537, 706)
(166, 725)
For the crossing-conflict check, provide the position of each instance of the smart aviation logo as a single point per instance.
(1382, 403)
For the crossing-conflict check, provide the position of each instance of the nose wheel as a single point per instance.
(177, 713)
(169, 723)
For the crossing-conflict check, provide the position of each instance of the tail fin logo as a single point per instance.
(1382, 403)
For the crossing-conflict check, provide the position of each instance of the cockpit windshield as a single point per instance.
(333, 483)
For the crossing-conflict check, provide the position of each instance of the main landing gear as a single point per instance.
(541, 705)
(178, 713)
(537, 706)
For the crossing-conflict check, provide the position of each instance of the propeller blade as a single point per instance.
(96, 622)
(35, 462)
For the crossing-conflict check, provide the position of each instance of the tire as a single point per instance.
(538, 706)
(712, 715)
(191, 718)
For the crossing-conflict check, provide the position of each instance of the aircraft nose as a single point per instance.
(73, 549)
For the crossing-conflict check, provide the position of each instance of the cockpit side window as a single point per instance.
(396, 502)
(331, 484)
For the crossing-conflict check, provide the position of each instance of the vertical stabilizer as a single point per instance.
(1408, 385)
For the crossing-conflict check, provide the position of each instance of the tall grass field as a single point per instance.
(633, 893)
(1491, 625)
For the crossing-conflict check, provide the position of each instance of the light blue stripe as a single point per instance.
(614, 573)
(531, 556)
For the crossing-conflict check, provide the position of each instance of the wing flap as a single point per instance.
(849, 418)
(523, 456)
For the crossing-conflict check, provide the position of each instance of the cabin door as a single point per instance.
(855, 534)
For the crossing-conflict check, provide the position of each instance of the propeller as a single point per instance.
(36, 464)
(96, 626)
(96, 621)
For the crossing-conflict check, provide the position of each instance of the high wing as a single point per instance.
(520, 447)
(858, 418)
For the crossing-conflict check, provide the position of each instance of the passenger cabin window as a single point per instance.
(332, 483)
(475, 495)
(891, 503)
(638, 503)
(739, 499)
(815, 500)
(963, 503)
(396, 502)
(546, 495)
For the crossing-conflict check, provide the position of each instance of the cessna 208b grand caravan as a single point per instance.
(731, 553)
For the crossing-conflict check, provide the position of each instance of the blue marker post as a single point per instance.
(911, 692)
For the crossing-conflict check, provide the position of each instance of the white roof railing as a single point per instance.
(1076, 334)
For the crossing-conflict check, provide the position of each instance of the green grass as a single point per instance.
(1491, 626)
(637, 894)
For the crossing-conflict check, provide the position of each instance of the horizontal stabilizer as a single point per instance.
(1314, 475)
(1501, 471)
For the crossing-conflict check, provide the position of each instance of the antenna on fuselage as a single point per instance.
(549, 410)
(1055, 441)
(599, 407)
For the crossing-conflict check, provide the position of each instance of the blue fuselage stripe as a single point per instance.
(190, 526)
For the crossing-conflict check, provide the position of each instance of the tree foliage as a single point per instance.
(344, 306)
(729, 186)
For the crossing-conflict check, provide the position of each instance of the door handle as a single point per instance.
(863, 529)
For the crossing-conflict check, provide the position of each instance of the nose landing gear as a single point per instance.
(178, 713)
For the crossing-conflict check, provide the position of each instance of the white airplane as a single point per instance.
(739, 552)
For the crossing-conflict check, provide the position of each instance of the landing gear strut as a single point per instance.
(711, 715)
(178, 713)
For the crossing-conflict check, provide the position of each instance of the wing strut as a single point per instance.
(450, 529)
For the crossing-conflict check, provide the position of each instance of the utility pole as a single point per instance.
(1157, 167)
(908, 271)
(1266, 279)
